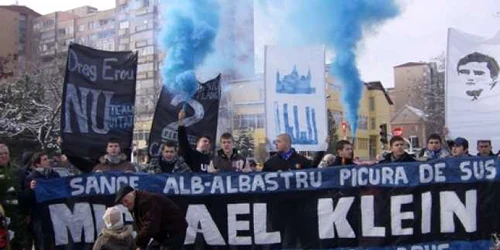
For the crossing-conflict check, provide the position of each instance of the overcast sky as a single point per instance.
(418, 34)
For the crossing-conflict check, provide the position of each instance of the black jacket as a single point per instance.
(158, 165)
(294, 162)
(405, 158)
(224, 163)
(156, 217)
(197, 161)
(338, 162)
(29, 194)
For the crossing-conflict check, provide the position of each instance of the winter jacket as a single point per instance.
(196, 160)
(121, 239)
(157, 217)
(106, 165)
(339, 162)
(428, 155)
(295, 161)
(29, 194)
(228, 164)
(390, 159)
(159, 165)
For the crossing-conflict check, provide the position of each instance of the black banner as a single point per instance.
(202, 112)
(447, 204)
(98, 102)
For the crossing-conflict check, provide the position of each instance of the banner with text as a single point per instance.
(98, 101)
(446, 204)
(202, 112)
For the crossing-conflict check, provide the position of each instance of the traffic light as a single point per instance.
(383, 134)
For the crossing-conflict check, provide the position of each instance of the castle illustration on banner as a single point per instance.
(294, 83)
(309, 137)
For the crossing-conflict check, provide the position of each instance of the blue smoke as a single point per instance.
(340, 25)
(189, 28)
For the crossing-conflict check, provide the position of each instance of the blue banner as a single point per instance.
(452, 170)
(444, 204)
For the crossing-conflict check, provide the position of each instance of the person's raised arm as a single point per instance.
(182, 137)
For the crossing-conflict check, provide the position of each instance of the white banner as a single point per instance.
(472, 89)
(295, 95)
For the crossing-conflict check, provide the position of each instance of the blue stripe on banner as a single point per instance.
(451, 170)
(453, 245)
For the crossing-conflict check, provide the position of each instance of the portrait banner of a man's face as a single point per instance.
(472, 90)
(479, 72)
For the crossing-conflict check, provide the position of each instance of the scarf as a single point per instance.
(286, 155)
(113, 159)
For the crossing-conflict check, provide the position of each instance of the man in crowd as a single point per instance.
(156, 217)
(434, 149)
(198, 160)
(461, 148)
(286, 158)
(484, 148)
(345, 154)
(42, 171)
(284, 211)
(227, 158)
(9, 186)
(169, 161)
(114, 159)
(398, 154)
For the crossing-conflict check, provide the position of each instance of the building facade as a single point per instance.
(16, 46)
(418, 95)
(246, 99)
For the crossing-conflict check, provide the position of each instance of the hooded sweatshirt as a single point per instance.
(115, 239)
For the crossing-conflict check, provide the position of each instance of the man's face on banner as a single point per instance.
(476, 77)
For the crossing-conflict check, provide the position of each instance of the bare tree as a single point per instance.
(427, 94)
(30, 105)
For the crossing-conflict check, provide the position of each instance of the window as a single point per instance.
(123, 47)
(146, 51)
(248, 121)
(142, 43)
(145, 67)
(141, 28)
(92, 25)
(362, 122)
(373, 124)
(124, 25)
(372, 103)
(81, 28)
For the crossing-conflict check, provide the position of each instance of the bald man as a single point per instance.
(286, 158)
(285, 210)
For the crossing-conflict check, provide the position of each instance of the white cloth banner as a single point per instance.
(472, 89)
(295, 95)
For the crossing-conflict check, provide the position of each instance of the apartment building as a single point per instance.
(16, 46)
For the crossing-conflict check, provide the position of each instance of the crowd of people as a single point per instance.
(18, 184)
